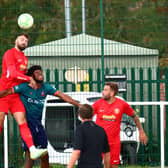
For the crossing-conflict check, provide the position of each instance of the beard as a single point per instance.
(38, 81)
(21, 48)
(107, 97)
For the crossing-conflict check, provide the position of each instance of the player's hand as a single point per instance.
(79, 105)
(142, 137)
(32, 83)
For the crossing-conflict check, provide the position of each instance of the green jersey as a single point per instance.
(33, 99)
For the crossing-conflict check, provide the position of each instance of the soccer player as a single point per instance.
(109, 110)
(33, 100)
(90, 141)
(14, 66)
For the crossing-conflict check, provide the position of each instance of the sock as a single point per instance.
(26, 135)
(0, 130)
(32, 148)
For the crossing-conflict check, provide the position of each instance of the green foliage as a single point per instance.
(141, 22)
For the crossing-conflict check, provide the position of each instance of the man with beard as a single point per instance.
(33, 100)
(109, 111)
(14, 66)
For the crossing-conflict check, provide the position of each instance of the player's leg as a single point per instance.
(45, 161)
(2, 117)
(3, 111)
(26, 135)
(18, 111)
(43, 141)
(40, 139)
(28, 162)
(23, 127)
(113, 166)
(114, 155)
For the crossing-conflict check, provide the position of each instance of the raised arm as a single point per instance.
(13, 73)
(6, 92)
(142, 136)
(66, 98)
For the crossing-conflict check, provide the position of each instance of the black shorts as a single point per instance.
(38, 134)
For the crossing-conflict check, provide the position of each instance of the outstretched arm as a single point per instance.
(6, 92)
(66, 98)
(12, 72)
(142, 136)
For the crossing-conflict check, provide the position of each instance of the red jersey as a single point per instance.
(109, 117)
(14, 66)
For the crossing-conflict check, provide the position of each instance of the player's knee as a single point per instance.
(20, 117)
(2, 117)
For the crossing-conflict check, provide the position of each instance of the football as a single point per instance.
(25, 21)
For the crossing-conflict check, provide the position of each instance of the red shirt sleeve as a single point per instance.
(12, 72)
(12, 66)
(128, 109)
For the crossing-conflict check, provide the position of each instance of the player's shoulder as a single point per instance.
(118, 98)
(46, 85)
(11, 50)
(25, 84)
(99, 100)
(121, 100)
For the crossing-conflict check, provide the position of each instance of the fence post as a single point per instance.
(64, 81)
(82, 86)
(99, 88)
(124, 71)
(115, 70)
(150, 113)
(47, 75)
(158, 108)
(102, 40)
(141, 91)
(133, 84)
(166, 111)
(6, 142)
(90, 79)
(162, 158)
(141, 77)
(56, 79)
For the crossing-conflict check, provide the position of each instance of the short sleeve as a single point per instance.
(128, 109)
(50, 89)
(78, 139)
(106, 144)
(20, 88)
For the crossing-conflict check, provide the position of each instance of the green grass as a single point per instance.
(121, 166)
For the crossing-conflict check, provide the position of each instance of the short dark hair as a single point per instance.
(86, 111)
(23, 34)
(33, 68)
(113, 86)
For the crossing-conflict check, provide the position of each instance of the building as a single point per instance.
(85, 51)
